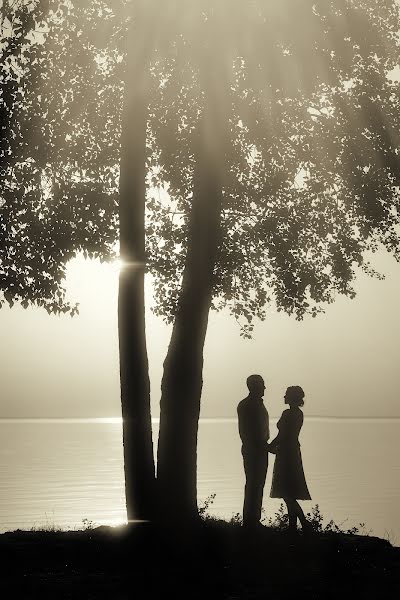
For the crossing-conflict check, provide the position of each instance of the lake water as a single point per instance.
(58, 472)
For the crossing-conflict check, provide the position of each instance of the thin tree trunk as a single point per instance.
(182, 379)
(134, 375)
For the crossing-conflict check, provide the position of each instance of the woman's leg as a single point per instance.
(292, 513)
(300, 514)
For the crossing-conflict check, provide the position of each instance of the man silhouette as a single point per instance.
(254, 433)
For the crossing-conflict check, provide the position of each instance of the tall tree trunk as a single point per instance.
(182, 379)
(134, 374)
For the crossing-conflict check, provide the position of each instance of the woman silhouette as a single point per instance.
(288, 481)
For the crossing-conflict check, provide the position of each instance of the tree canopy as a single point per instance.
(59, 156)
(311, 163)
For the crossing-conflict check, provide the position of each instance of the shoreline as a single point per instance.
(217, 559)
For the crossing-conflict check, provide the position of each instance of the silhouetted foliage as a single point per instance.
(311, 179)
(280, 520)
(312, 155)
(59, 154)
(318, 523)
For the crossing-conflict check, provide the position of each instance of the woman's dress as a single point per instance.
(288, 480)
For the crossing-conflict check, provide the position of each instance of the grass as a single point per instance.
(279, 521)
(50, 526)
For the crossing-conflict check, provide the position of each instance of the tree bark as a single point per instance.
(182, 379)
(134, 375)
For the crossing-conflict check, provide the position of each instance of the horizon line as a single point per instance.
(118, 419)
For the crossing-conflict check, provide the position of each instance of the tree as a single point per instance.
(134, 369)
(275, 95)
(62, 103)
(283, 155)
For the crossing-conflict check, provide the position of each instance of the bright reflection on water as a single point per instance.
(57, 473)
(60, 472)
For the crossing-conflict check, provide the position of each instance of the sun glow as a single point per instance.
(120, 265)
(117, 265)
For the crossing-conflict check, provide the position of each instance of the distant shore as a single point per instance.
(215, 560)
(209, 419)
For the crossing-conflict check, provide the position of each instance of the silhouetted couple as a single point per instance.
(288, 481)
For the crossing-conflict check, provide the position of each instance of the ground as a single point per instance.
(215, 560)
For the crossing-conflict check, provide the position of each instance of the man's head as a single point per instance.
(256, 385)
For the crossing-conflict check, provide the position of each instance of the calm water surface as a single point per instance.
(60, 472)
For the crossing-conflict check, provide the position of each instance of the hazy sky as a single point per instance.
(347, 360)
